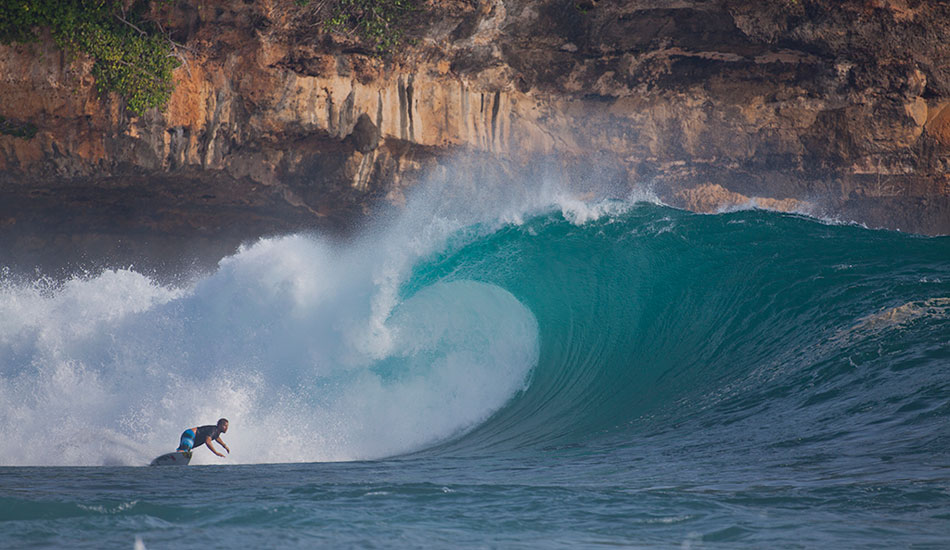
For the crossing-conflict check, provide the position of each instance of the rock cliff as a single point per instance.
(832, 107)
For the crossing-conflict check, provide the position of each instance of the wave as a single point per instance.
(663, 323)
(482, 317)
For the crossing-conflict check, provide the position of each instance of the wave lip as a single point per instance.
(461, 350)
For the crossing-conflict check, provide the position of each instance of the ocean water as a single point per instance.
(494, 366)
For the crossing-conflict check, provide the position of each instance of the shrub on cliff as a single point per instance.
(377, 22)
(17, 128)
(130, 57)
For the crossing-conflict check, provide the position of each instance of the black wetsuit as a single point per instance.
(204, 432)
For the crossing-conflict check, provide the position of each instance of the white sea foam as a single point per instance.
(307, 346)
(303, 347)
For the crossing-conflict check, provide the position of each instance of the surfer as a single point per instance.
(196, 437)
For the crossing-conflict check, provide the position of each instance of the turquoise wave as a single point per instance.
(448, 331)
(658, 321)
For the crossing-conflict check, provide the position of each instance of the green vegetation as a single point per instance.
(131, 56)
(378, 22)
(16, 128)
(584, 6)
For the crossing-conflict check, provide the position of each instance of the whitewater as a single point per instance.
(493, 364)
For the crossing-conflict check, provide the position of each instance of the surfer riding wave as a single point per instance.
(196, 437)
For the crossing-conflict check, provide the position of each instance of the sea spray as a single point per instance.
(295, 339)
(482, 317)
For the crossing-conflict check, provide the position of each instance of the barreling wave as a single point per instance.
(661, 323)
(482, 319)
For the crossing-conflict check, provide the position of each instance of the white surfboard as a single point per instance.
(177, 458)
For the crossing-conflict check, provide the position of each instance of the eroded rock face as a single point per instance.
(843, 105)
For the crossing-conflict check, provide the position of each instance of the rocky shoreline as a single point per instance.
(839, 108)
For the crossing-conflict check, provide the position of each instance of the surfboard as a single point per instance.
(177, 458)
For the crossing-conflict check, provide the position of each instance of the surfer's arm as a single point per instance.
(223, 444)
(213, 450)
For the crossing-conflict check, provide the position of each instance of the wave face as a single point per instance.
(489, 318)
(751, 332)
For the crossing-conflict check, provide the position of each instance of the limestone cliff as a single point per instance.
(833, 107)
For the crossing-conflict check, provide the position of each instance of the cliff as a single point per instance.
(836, 108)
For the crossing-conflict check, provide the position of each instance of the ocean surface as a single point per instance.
(489, 366)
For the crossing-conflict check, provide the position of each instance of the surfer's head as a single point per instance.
(223, 425)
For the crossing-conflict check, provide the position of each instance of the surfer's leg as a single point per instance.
(187, 440)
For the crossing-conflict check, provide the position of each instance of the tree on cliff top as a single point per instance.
(132, 57)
